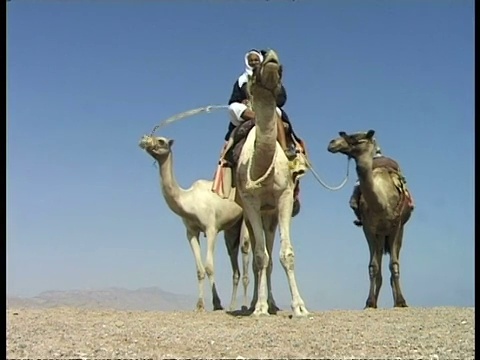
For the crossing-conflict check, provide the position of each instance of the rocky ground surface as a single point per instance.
(409, 333)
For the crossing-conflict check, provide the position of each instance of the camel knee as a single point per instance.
(236, 277)
(373, 270)
(209, 270)
(395, 269)
(287, 258)
(245, 280)
(261, 261)
(245, 247)
(200, 275)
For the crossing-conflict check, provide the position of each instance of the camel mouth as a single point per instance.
(151, 146)
(272, 65)
(271, 61)
(146, 142)
(269, 76)
(334, 148)
(271, 57)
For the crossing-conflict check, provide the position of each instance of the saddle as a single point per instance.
(240, 134)
(406, 203)
(297, 165)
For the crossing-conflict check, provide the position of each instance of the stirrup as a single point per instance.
(290, 153)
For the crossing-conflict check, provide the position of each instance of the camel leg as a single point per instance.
(255, 268)
(373, 267)
(232, 241)
(195, 245)
(245, 249)
(399, 300)
(251, 208)
(210, 268)
(270, 224)
(378, 278)
(287, 256)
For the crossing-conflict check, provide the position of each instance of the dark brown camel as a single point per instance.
(383, 208)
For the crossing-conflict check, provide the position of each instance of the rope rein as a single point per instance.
(251, 184)
(321, 182)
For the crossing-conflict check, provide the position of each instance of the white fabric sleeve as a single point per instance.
(235, 111)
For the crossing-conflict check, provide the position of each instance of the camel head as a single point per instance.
(354, 145)
(157, 147)
(268, 75)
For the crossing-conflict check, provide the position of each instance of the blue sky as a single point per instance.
(86, 79)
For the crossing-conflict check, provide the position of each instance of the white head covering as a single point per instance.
(248, 69)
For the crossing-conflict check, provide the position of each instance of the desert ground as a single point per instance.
(392, 333)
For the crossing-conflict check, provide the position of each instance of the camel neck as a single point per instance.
(266, 137)
(365, 177)
(170, 188)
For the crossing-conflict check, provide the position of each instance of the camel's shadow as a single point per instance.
(244, 311)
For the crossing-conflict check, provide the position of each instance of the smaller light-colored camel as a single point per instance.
(383, 210)
(203, 211)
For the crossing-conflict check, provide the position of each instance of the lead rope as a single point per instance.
(186, 114)
(251, 184)
(321, 182)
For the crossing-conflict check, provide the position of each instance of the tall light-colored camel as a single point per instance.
(202, 211)
(265, 186)
(383, 210)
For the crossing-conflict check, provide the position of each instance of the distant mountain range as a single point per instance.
(151, 298)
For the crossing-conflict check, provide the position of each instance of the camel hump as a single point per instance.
(386, 162)
(401, 184)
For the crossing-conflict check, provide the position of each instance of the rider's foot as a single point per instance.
(296, 207)
(358, 222)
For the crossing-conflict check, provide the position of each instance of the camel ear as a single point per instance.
(342, 133)
(170, 142)
(370, 134)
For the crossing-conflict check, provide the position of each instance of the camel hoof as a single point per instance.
(300, 311)
(370, 304)
(200, 306)
(259, 313)
(401, 305)
(217, 307)
(261, 309)
(272, 310)
(272, 307)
